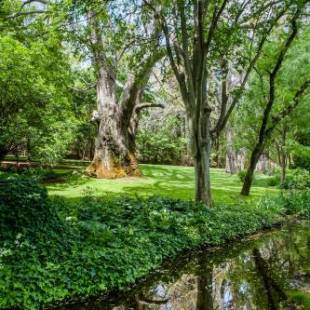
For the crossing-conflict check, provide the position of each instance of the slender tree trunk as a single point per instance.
(283, 161)
(230, 153)
(283, 170)
(257, 152)
(265, 131)
(201, 150)
(217, 152)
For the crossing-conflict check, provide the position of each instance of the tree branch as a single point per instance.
(33, 1)
(34, 12)
(223, 121)
(133, 88)
(147, 105)
(215, 19)
(286, 111)
(273, 74)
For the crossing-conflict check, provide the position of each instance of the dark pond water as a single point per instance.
(262, 272)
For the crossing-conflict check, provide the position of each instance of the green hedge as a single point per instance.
(97, 245)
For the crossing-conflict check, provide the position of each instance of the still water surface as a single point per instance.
(261, 272)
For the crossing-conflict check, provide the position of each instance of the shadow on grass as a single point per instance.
(157, 180)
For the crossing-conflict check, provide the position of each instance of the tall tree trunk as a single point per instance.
(112, 158)
(230, 152)
(257, 152)
(114, 155)
(114, 148)
(283, 154)
(201, 150)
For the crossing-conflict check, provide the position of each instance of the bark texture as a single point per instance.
(231, 154)
(248, 179)
(282, 154)
(201, 150)
(117, 118)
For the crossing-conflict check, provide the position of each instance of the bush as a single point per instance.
(297, 202)
(25, 212)
(163, 142)
(288, 203)
(22, 201)
(274, 180)
(300, 180)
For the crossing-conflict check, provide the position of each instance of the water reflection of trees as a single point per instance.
(249, 275)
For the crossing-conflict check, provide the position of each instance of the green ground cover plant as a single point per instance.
(55, 248)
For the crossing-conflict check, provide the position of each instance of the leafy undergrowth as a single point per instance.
(54, 249)
(297, 297)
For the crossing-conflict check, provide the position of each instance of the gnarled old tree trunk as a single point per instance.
(115, 149)
(115, 153)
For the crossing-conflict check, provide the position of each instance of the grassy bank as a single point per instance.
(52, 249)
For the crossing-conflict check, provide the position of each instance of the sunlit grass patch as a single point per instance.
(162, 180)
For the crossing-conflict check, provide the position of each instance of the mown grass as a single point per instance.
(159, 180)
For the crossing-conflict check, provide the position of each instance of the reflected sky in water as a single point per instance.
(258, 273)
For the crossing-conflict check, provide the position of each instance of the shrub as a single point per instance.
(25, 211)
(274, 180)
(163, 142)
(300, 179)
(242, 174)
(299, 297)
(291, 202)
(21, 202)
(297, 202)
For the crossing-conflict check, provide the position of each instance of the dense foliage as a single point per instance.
(163, 141)
(36, 112)
(99, 244)
(206, 65)
(297, 179)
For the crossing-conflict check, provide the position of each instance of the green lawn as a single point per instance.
(168, 181)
